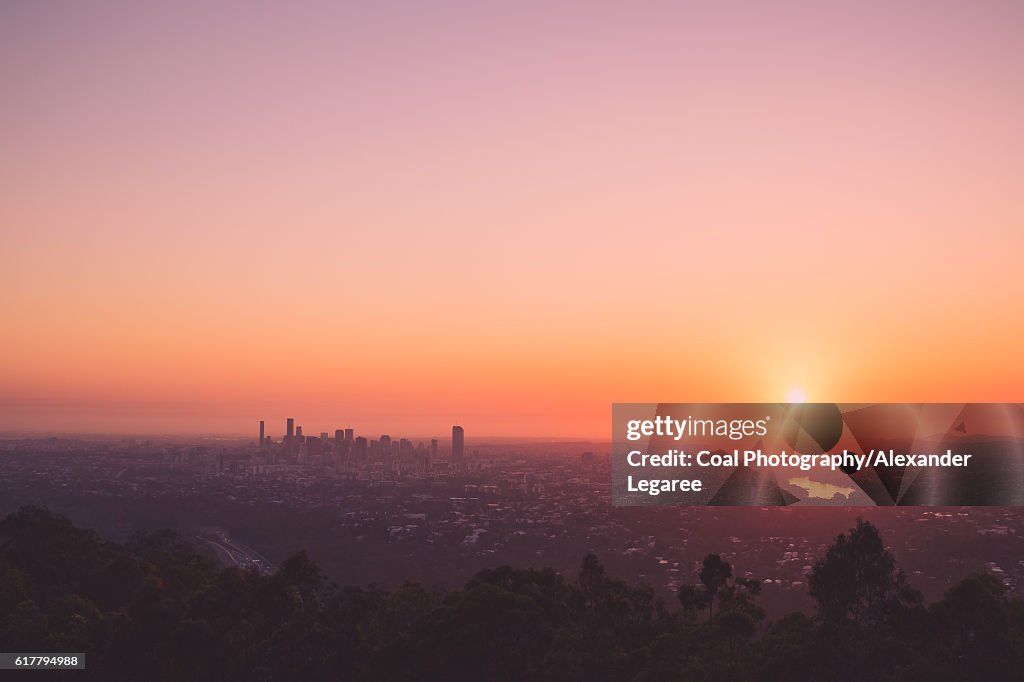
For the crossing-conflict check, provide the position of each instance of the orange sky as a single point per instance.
(402, 216)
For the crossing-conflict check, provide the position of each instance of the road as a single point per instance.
(234, 553)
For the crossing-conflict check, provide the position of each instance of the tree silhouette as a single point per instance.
(870, 616)
(155, 610)
(692, 599)
(857, 582)
(714, 574)
(978, 630)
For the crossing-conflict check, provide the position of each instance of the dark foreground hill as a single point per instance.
(154, 609)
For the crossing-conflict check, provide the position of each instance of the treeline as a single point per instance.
(156, 610)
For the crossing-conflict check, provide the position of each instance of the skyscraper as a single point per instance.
(458, 445)
(262, 434)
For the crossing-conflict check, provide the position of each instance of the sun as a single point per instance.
(796, 395)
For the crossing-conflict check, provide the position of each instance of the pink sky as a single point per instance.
(403, 215)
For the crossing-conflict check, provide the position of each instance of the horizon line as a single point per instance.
(8, 435)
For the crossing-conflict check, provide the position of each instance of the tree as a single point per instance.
(857, 582)
(972, 628)
(714, 574)
(692, 599)
(869, 614)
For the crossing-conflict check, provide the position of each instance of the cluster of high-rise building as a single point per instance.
(345, 447)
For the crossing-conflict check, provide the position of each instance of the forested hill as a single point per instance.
(155, 610)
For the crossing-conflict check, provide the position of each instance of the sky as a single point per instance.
(398, 216)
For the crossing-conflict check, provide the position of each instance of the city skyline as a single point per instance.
(292, 428)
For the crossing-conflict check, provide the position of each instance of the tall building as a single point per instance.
(262, 434)
(339, 438)
(291, 428)
(312, 447)
(349, 434)
(458, 445)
